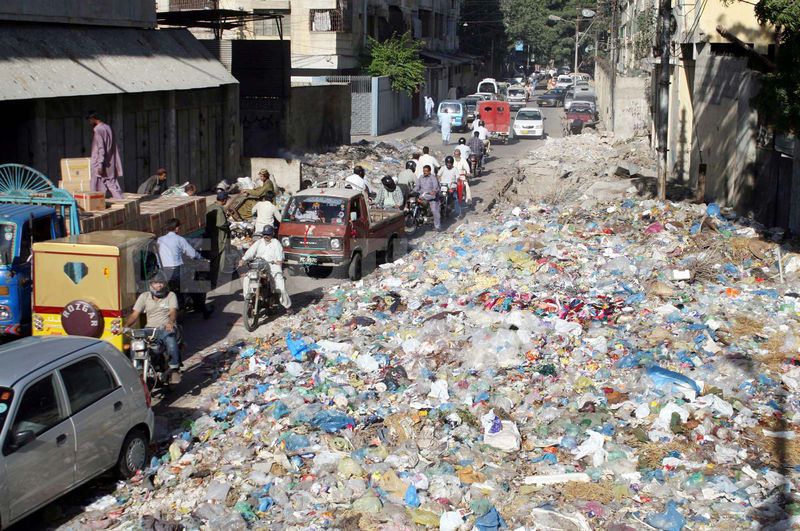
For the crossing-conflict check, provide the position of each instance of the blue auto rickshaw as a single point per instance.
(457, 111)
(32, 210)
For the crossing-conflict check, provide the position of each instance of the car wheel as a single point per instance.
(133, 455)
(354, 271)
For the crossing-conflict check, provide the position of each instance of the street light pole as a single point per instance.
(577, 41)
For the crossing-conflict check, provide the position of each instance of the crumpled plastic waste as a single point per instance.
(537, 367)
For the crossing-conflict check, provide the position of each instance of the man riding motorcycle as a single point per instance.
(466, 151)
(389, 195)
(428, 189)
(271, 251)
(160, 305)
(407, 178)
(448, 176)
(476, 145)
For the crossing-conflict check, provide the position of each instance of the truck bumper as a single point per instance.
(325, 260)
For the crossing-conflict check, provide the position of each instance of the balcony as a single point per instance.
(329, 20)
(188, 5)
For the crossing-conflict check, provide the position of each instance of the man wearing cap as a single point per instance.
(269, 249)
(218, 234)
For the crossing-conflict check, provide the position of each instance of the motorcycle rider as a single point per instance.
(428, 189)
(427, 159)
(389, 195)
(160, 305)
(269, 249)
(476, 145)
(465, 149)
(407, 178)
(448, 175)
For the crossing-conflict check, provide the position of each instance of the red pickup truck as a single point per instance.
(326, 228)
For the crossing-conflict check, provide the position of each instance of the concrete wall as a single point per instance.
(393, 108)
(622, 102)
(194, 134)
(319, 117)
(725, 127)
(286, 173)
(129, 13)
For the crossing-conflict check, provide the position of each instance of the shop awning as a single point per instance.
(45, 61)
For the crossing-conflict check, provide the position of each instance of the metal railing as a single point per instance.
(185, 5)
(333, 20)
(357, 83)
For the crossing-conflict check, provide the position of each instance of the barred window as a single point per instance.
(337, 20)
(269, 27)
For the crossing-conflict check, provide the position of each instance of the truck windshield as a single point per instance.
(516, 92)
(453, 108)
(315, 209)
(8, 231)
(6, 395)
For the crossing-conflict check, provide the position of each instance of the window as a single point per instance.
(269, 27)
(38, 409)
(355, 206)
(87, 381)
(42, 232)
(6, 395)
(8, 231)
(76, 271)
(337, 20)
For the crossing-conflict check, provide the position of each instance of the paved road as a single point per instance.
(203, 338)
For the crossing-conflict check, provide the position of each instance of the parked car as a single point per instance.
(517, 97)
(582, 112)
(324, 228)
(564, 81)
(529, 122)
(71, 408)
(551, 98)
(579, 92)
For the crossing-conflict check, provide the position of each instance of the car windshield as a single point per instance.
(579, 108)
(516, 92)
(554, 92)
(529, 115)
(315, 209)
(450, 107)
(6, 395)
(8, 231)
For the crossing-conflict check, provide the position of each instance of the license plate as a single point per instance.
(525, 131)
(308, 260)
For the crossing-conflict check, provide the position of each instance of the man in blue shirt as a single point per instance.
(171, 249)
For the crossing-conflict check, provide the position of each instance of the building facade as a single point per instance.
(169, 102)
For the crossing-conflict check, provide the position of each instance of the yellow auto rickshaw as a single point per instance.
(85, 285)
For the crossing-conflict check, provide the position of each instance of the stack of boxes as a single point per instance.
(134, 212)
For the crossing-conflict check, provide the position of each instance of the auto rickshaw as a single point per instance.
(497, 117)
(86, 284)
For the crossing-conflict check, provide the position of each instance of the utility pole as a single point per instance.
(663, 97)
(577, 40)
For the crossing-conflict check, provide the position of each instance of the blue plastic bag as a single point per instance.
(411, 498)
(665, 380)
(297, 346)
(669, 520)
(491, 521)
(331, 421)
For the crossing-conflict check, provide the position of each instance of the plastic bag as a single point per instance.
(331, 421)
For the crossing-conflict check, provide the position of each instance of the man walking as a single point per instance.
(218, 234)
(446, 127)
(105, 160)
(428, 106)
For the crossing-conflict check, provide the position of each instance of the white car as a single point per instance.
(564, 81)
(529, 122)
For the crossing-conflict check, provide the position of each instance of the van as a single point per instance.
(488, 85)
(457, 111)
(564, 81)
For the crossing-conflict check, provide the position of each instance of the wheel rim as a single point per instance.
(136, 454)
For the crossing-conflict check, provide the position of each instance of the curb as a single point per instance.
(430, 130)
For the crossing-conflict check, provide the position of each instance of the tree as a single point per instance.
(779, 97)
(481, 31)
(527, 20)
(398, 58)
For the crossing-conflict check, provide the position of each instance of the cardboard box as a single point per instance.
(90, 201)
(76, 169)
(75, 186)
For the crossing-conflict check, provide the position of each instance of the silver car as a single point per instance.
(71, 408)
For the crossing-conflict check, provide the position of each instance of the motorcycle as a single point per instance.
(446, 200)
(148, 354)
(418, 213)
(259, 293)
(475, 166)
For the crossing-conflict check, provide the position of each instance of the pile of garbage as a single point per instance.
(377, 158)
(551, 367)
(586, 166)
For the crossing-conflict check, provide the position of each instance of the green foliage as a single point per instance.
(645, 33)
(398, 58)
(527, 20)
(779, 97)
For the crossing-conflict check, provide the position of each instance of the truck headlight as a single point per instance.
(38, 322)
(5, 313)
(116, 326)
(285, 241)
(336, 244)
